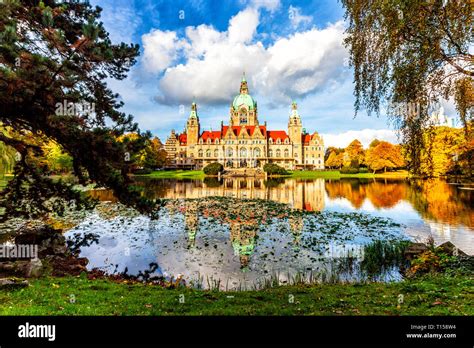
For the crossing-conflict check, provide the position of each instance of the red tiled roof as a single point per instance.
(306, 138)
(213, 135)
(274, 135)
(183, 139)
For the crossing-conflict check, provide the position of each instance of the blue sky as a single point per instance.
(289, 50)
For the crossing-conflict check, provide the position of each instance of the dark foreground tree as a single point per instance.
(55, 58)
(411, 54)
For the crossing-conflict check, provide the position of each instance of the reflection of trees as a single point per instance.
(102, 195)
(437, 200)
(386, 195)
(274, 182)
(382, 194)
(157, 188)
(212, 182)
(350, 189)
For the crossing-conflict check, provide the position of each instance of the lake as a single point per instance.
(238, 232)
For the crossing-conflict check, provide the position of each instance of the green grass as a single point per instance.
(335, 174)
(304, 174)
(176, 174)
(435, 295)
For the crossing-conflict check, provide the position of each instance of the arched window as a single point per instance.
(256, 152)
(200, 141)
(287, 153)
(217, 141)
(243, 152)
(216, 153)
(200, 153)
(270, 153)
(287, 141)
(208, 153)
(270, 141)
(230, 153)
(278, 153)
(278, 141)
(209, 140)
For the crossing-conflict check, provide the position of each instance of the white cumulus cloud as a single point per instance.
(243, 25)
(161, 49)
(207, 64)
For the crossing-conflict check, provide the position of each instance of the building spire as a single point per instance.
(294, 110)
(244, 89)
(193, 113)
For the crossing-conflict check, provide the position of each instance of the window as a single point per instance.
(230, 153)
(256, 152)
(216, 153)
(270, 153)
(287, 153)
(278, 141)
(208, 153)
(217, 141)
(200, 141)
(286, 141)
(200, 153)
(270, 141)
(243, 152)
(278, 153)
(243, 116)
(209, 140)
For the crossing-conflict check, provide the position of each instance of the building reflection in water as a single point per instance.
(307, 195)
(426, 206)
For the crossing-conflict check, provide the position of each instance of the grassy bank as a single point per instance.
(304, 174)
(335, 174)
(175, 174)
(436, 295)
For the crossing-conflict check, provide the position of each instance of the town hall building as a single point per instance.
(244, 142)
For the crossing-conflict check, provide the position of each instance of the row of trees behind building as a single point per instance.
(447, 152)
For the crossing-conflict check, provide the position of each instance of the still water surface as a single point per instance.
(227, 244)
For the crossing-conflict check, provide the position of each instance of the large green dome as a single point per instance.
(244, 99)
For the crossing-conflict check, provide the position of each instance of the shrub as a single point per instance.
(363, 170)
(274, 169)
(213, 168)
(349, 170)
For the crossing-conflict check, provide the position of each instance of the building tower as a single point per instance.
(192, 126)
(295, 125)
(243, 111)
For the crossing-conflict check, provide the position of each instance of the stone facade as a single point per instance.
(244, 142)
